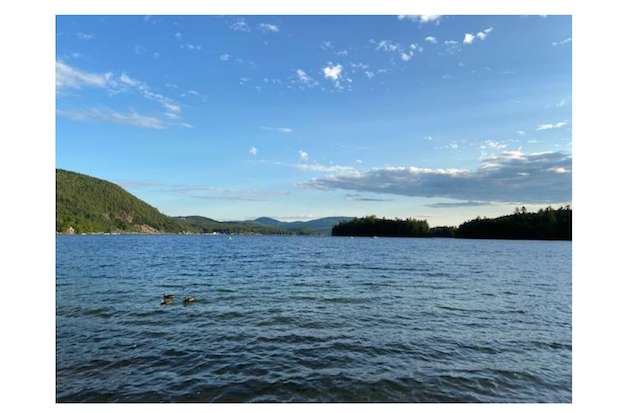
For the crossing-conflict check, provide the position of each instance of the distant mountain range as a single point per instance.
(89, 205)
(322, 225)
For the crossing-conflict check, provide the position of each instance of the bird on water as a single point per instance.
(189, 299)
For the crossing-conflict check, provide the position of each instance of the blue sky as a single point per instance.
(297, 117)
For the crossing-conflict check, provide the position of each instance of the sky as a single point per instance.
(434, 117)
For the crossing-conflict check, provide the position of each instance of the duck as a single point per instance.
(189, 299)
(165, 302)
(168, 296)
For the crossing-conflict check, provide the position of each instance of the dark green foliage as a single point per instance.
(548, 223)
(93, 205)
(382, 227)
(449, 232)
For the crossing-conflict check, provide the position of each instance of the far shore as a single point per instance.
(312, 235)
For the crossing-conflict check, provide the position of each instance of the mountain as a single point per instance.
(270, 222)
(88, 204)
(207, 225)
(321, 225)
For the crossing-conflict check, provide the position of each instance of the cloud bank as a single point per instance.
(508, 177)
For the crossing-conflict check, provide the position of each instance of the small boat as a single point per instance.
(374, 236)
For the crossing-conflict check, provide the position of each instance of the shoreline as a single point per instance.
(319, 236)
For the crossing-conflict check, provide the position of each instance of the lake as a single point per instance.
(323, 319)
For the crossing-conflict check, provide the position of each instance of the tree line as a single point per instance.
(548, 223)
(545, 224)
(373, 226)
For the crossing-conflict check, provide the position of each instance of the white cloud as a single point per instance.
(303, 155)
(69, 77)
(388, 46)
(483, 34)
(241, 26)
(356, 66)
(552, 126)
(469, 38)
(85, 36)
(332, 72)
(268, 28)
(492, 146)
(302, 79)
(129, 81)
(253, 151)
(279, 130)
(404, 53)
(225, 57)
(570, 39)
(431, 39)
(452, 46)
(408, 55)
(520, 133)
(421, 18)
(178, 36)
(191, 47)
(108, 115)
(322, 168)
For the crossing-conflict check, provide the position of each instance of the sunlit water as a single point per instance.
(313, 319)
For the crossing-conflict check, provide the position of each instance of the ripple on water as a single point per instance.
(313, 319)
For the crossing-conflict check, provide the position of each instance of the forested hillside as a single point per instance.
(88, 204)
(548, 223)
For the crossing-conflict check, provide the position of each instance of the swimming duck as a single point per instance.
(165, 302)
(189, 299)
(168, 296)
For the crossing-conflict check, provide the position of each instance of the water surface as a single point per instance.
(313, 319)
